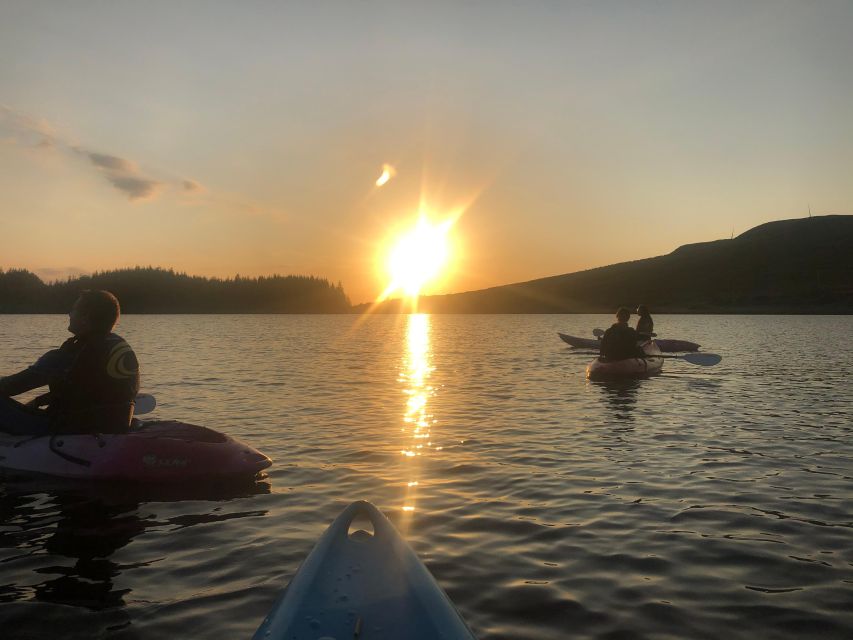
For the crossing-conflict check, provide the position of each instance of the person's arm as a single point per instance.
(26, 380)
(40, 401)
(38, 374)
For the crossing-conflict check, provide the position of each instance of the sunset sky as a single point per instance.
(223, 138)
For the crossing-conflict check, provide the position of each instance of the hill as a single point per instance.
(150, 290)
(788, 266)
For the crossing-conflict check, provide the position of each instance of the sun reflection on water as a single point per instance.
(417, 421)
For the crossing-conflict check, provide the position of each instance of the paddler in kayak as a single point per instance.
(93, 378)
(620, 341)
(645, 325)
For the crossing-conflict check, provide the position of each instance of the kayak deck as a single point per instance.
(363, 586)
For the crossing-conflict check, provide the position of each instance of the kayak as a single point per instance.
(585, 343)
(666, 346)
(363, 586)
(152, 451)
(599, 369)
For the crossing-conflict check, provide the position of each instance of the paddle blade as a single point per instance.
(598, 332)
(702, 359)
(145, 403)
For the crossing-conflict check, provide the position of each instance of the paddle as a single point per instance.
(145, 403)
(702, 359)
(600, 332)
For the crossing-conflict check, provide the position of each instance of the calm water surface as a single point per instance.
(702, 503)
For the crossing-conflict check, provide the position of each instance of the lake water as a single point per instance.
(701, 503)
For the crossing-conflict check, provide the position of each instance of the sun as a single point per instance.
(418, 257)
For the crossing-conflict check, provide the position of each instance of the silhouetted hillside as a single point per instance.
(149, 290)
(789, 266)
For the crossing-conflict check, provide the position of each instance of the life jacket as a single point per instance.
(619, 342)
(94, 392)
(645, 326)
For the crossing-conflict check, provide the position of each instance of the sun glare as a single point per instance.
(418, 257)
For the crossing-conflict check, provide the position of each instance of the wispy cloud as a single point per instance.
(124, 175)
(192, 186)
(135, 188)
(111, 163)
(37, 129)
(52, 274)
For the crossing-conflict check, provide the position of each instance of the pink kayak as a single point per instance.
(153, 451)
(630, 368)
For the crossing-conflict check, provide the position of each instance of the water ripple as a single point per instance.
(702, 503)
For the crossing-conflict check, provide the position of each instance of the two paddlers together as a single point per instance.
(625, 352)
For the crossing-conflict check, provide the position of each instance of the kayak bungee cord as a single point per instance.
(53, 445)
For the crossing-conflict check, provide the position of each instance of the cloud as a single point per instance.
(111, 163)
(123, 175)
(134, 187)
(192, 185)
(19, 128)
(24, 128)
(51, 274)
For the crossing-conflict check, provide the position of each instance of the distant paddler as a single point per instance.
(620, 341)
(645, 324)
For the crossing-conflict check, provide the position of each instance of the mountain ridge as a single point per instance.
(785, 266)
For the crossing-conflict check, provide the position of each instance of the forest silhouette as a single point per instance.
(155, 290)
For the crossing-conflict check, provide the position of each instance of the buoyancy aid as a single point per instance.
(93, 383)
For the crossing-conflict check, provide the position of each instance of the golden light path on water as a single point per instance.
(414, 375)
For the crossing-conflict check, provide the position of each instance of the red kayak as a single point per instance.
(152, 451)
(600, 369)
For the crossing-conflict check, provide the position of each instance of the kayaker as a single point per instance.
(93, 378)
(645, 325)
(620, 341)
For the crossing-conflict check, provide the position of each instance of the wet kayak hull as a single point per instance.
(357, 585)
(155, 451)
(629, 368)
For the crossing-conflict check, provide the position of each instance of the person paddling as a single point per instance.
(645, 325)
(93, 378)
(620, 340)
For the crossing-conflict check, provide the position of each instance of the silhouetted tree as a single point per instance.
(155, 290)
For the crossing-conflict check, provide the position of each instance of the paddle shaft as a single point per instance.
(702, 359)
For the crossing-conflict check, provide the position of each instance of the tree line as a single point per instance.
(156, 290)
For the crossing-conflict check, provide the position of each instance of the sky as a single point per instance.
(222, 138)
